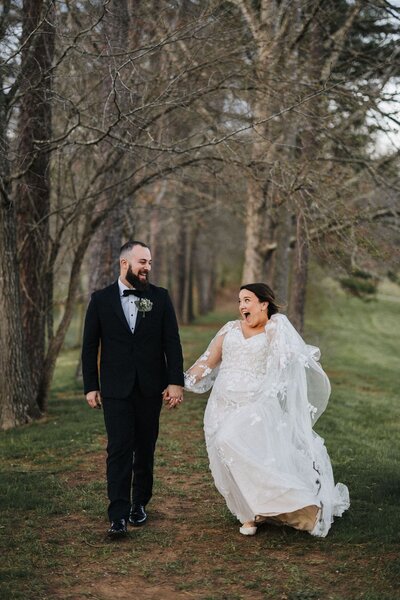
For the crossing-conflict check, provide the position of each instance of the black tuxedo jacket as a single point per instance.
(150, 357)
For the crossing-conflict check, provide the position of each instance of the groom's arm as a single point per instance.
(90, 348)
(173, 394)
(172, 345)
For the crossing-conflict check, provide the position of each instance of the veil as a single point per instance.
(295, 377)
(293, 370)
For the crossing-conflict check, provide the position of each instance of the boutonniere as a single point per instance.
(144, 305)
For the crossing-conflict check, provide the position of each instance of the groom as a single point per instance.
(131, 327)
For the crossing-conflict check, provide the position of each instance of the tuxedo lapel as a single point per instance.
(116, 303)
(139, 325)
(139, 318)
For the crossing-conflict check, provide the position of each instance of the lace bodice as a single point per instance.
(244, 355)
(229, 352)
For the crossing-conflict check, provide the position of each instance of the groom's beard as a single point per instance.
(135, 281)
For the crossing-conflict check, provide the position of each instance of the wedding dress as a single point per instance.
(266, 460)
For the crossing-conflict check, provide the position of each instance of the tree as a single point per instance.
(305, 69)
(17, 405)
(33, 181)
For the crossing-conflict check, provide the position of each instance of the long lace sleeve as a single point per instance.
(200, 377)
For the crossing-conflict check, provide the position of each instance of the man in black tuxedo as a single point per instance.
(133, 325)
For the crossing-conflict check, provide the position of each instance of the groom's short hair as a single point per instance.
(128, 246)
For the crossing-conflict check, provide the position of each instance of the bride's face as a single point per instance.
(252, 311)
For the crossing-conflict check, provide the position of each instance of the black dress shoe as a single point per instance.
(117, 529)
(138, 515)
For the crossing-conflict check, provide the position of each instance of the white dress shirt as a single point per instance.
(128, 305)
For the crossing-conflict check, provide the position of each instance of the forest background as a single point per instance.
(240, 139)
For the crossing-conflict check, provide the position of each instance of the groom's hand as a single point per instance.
(94, 399)
(173, 395)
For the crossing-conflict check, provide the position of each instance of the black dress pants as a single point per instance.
(132, 431)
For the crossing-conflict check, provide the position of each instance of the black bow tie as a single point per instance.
(132, 293)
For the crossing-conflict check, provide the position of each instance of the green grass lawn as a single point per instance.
(53, 497)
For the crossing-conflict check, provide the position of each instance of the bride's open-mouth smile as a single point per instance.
(251, 310)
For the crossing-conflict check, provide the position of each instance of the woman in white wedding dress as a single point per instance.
(268, 391)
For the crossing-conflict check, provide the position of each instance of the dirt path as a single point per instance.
(191, 547)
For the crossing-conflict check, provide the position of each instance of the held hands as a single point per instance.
(94, 399)
(173, 395)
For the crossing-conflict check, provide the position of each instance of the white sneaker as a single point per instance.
(248, 530)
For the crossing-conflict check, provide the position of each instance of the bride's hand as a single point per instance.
(173, 395)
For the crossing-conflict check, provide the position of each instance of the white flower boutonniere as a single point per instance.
(144, 305)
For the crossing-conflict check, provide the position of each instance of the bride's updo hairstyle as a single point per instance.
(264, 294)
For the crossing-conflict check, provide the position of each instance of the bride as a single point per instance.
(268, 391)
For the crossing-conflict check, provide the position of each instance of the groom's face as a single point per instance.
(137, 267)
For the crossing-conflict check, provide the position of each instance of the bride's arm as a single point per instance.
(201, 375)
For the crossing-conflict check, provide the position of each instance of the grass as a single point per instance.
(53, 499)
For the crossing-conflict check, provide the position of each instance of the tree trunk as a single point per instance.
(188, 307)
(282, 253)
(255, 218)
(310, 143)
(205, 268)
(157, 240)
(259, 194)
(205, 282)
(17, 405)
(299, 275)
(57, 341)
(33, 189)
(180, 267)
(106, 243)
(104, 251)
(260, 190)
